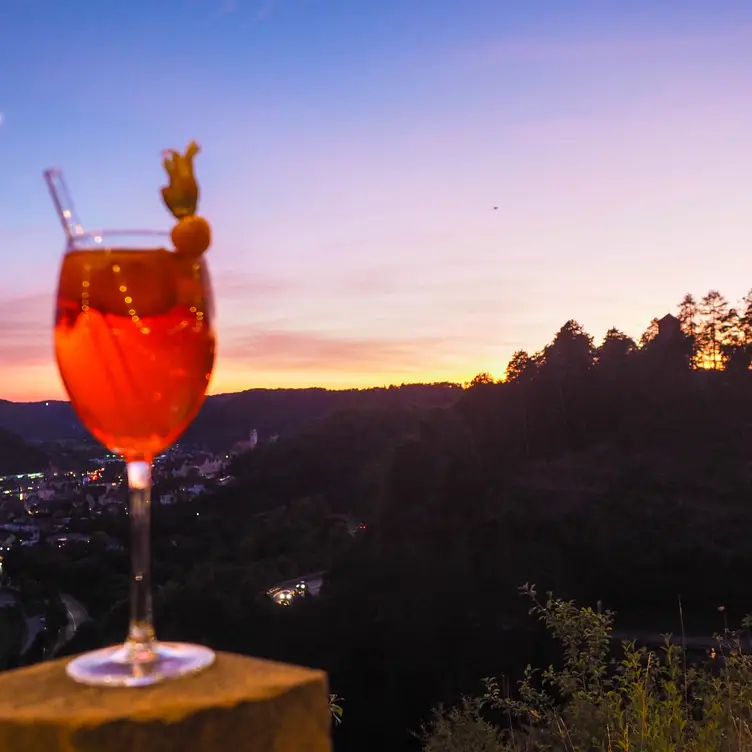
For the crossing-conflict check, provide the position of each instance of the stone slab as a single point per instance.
(239, 704)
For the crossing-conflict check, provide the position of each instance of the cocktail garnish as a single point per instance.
(192, 234)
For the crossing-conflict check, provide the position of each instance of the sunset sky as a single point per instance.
(353, 154)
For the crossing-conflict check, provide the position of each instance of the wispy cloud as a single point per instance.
(370, 281)
(26, 330)
(313, 351)
(465, 289)
(231, 284)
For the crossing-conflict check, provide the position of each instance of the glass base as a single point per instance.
(110, 667)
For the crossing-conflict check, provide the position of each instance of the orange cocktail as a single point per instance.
(135, 344)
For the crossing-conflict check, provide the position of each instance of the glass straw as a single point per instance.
(61, 197)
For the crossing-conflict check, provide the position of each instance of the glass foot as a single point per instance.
(110, 667)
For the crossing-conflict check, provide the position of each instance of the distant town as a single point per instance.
(63, 509)
(55, 505)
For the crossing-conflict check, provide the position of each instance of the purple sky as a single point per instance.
(353, 154)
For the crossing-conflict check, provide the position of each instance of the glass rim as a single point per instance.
(104, 240)
(94, 234)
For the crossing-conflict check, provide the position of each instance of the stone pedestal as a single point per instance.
(238, 705)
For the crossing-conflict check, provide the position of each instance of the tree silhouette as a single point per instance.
(615, 350)
(521, 367)
(746, 318)
(714, 311)
(481, 379)
(736, 337)
(650, 333)
(571, 354)
(688, 316)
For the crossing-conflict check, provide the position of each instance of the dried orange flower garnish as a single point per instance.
(192, 234)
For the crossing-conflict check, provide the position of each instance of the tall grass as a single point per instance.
(597, 701)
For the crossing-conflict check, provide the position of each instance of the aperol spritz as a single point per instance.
(134, 343)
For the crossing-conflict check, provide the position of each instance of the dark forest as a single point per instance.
(616, 473)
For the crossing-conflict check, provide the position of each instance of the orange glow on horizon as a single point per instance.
(225, 382)
(42, 382)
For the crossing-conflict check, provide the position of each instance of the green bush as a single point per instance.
(462, 728)
(642, 701)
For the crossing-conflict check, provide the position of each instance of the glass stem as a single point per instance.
(141, 642)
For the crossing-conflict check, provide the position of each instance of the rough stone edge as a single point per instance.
(137, 732)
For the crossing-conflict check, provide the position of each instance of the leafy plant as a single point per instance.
(335, 709)
(595, 701)
(461, 728)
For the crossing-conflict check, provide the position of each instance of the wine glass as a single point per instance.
(134, 344)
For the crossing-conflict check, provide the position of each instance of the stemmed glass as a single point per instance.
(134, 343)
